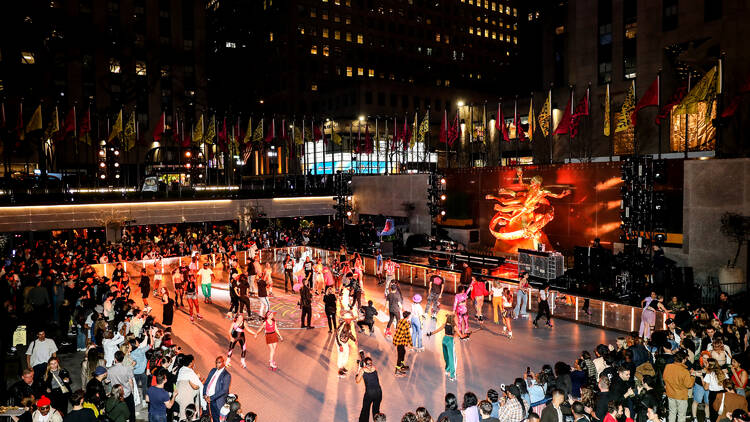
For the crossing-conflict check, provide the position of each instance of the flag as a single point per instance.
(704, 91)
(211, 131)
(607, 124)
(116, 128)
(85, 127)
(283, 130)
(36, 120)
(129, 131)
(675, 99)
(223, 136)
(198, 131)
(335, 136)
(564, 125)
(258, 134)
(406, 135)
(186, 139)
(582, 109)
(69, 124)
(544, 116)
(650, 98)
(19, 123)
(2, 115)
(300, 135)
(424, 128)
(159, 130)
(454, 132)
(532, 120)
(271, 131)
(517, 123)
(53, 127)
(628, 105)
(500, 122)
(317, 134)
(248, 132)
(444, 128)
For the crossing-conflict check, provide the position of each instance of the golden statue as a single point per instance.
(522, 211)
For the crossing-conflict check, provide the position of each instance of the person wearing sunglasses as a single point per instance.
(373, 393)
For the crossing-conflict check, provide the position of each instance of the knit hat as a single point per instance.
(99, 371)
(43, 401)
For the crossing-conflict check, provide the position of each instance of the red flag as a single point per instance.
(406, 134)
(159, 130)
(283, 130)
(85, 124)
(368, 140)
(176, 129)
(676, 98)
(444, 128)
(564, 125)
(582, 109)
(517, 123)
(186, 139)
(500, 123)
(271, 131)
(454, 131)
(223, 136)
(317, 134)
(650, 98)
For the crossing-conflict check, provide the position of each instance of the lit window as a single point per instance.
(349, 36)
(439, 82)
(114, 66)
(471, 2)
(165, 71)
(336, 18)
(494, 35)
(270, 36)
(447, 39)
(515, 12)
(501, 37)
(301, 30)
(471, 30)
(560, 30)
(507, 10)
(391, 76)
(313, 12)
(349, 71)
(325, 32)
(337, 2)
(324, 14)
(336, 35)
(325, 51)
(360, 71)
(314, 87)
(479, 76)
(314, 49)
(494, 6)
(437, 37)
(360, 39)
(515, 40)
(348, 20)
(479, 31)
(348, 3)
(447, 83)
(371, 73)
(140, 68)
(27, 57)
(230, 44)
(325, 1)
(486, 33)
(486, 4)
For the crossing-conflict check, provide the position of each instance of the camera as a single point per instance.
(361, 360)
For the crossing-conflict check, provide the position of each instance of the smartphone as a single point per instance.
(528, 370)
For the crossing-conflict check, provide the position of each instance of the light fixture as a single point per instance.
(442, 197)
(442, 181)
(442, 213)
(102, 164)
(188, 154)
(117, 152)
(102, 153)
(103, 176)
(117, 164)
(460, 103)
(348, 213)
(361, 118)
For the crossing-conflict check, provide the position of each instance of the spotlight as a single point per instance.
(117, 164)
(442, 181)
(442, 213)
(103, 176)
(188, 154)
(102, 164)
(117, 176)
(117, 152)
(102, 153)
(442, 197)
(348, 213)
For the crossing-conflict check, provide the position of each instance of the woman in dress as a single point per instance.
(507, 298)
(167, 307)
(651, 305)
(359, 266)
(449, 355)
(273, 336)
(191, 295)
(188, 386)
(238, 336)
(318, 280)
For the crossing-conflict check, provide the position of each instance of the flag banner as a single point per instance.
(116, 128)
(563, 126)
(517, 123)
(424, 128)
(607, 112)
(19, 123)
(69, 124)
(198, 131)
(454, 132)
(2, 116)
(443, 138)
(53, 127)
(159, 129)
(544, 117)
(500, 123)
(210, 137)
(248, 132)
(84, 134)
(129, 131)
(258, 134)
(582, 109)
(406, 135)
(271, 131)
(414, 131)
(650, 98)
(622, 122)
(317, 134)
(532, 121)
(703, 92)
(36, 120)
(223, 136)
(299, 136)
(675, 99)
(334, 135)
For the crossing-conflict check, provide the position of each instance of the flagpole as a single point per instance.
(658, 106)
(570, 129)
(687, 116)
(517, 123)
(551, 125)
(608, 108)
(635, 128)
(719, 101)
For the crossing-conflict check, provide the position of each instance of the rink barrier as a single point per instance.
(602, 314)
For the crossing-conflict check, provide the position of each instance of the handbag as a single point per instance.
(63, 388)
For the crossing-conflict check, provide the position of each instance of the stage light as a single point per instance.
(102, 164)
(442, 213)
(117, 164)
(442, 181)
(188, 154)
(117, 176)
(103, 176)
(442, 197)
(348, 213)
(102, 153)
(117, 152)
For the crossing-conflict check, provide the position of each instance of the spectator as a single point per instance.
(78, 413)
(579, 412)
(471, 411)
(23, 388)
(514, 408)
(423, 415)
(115, 407)
(121, 374)
(57, 385)
(45, 412)
(554, 411)
(38, 354)
(95, 387)
(492, 397)
(159, 400)
(451, 413)
(216, 388)
(677, 382)
(615, 412)
(485, 412)
(728, 401)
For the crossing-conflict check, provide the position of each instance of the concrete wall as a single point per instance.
(712, 188)
(35, 218)
(389, 196)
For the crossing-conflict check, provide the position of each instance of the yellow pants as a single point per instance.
(497, 302)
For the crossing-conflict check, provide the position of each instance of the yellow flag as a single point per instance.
(414, 131)
(544, 117)
(198, 132)
(129, 132)
(424, 128)
(607, 125)
(211, 131)
(36, 120)
(248, 131)
(624, 121)
(335, 137)
(116, 128)
(532, 121)
(258, 134)
(53, 126)
(703, 92)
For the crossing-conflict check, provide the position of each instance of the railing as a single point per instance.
(602, 314)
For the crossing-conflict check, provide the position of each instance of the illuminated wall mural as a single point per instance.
(522, 210)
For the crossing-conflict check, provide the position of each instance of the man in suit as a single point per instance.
(216, 388)
(555, 412)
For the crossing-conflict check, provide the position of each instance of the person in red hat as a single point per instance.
(44, 411)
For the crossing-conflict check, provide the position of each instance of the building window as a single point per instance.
(712, 10)
(437, 37)
(313, 12)
(140, 68)
(165, 72)
(349, 37)
(325, 32)
(669, 15)
(313, 49)
(326, 51)
(348, 20)
(270, 36)
(336, 35)
(494, 6)
(187, 44)
(560, 30)
(27, 57)
(604, 49)
(349, 71)
(471, 30)
(371, 73)
(314, 87)
(360, 71)
(336, 18)
(324, 14)
(114, 66)
(630, 21)
(360, 39)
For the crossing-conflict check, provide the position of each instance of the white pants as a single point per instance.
(343, 357)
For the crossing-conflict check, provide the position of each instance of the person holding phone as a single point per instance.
(373, 393)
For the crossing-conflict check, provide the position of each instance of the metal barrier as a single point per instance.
(602, 314)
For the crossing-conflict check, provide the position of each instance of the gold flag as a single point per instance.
(248, 131)
(607, 112)
(703, 92)
(211, 131)
(424, 128)
(53, 126)
(544, 117)
(623, 121)
(532, 121)
(36, 120)
(198, 132)
(116, 128)
(258, 134)
(129, 132)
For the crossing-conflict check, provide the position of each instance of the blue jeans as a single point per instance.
(157, 418)
(521, 298)
(81, 338)
(416, 332)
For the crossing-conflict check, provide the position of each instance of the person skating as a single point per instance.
(273, 336)
(344, 336)
(330, 301)
(369, 313)
(543, 307)
(449, 355)
(373, 393)
(305, 304)
(191, 295)
(207, 277)
(288, 273)
(394, 308)
(417, 315)
(434, 293)
(402, 339)
(237, 334)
